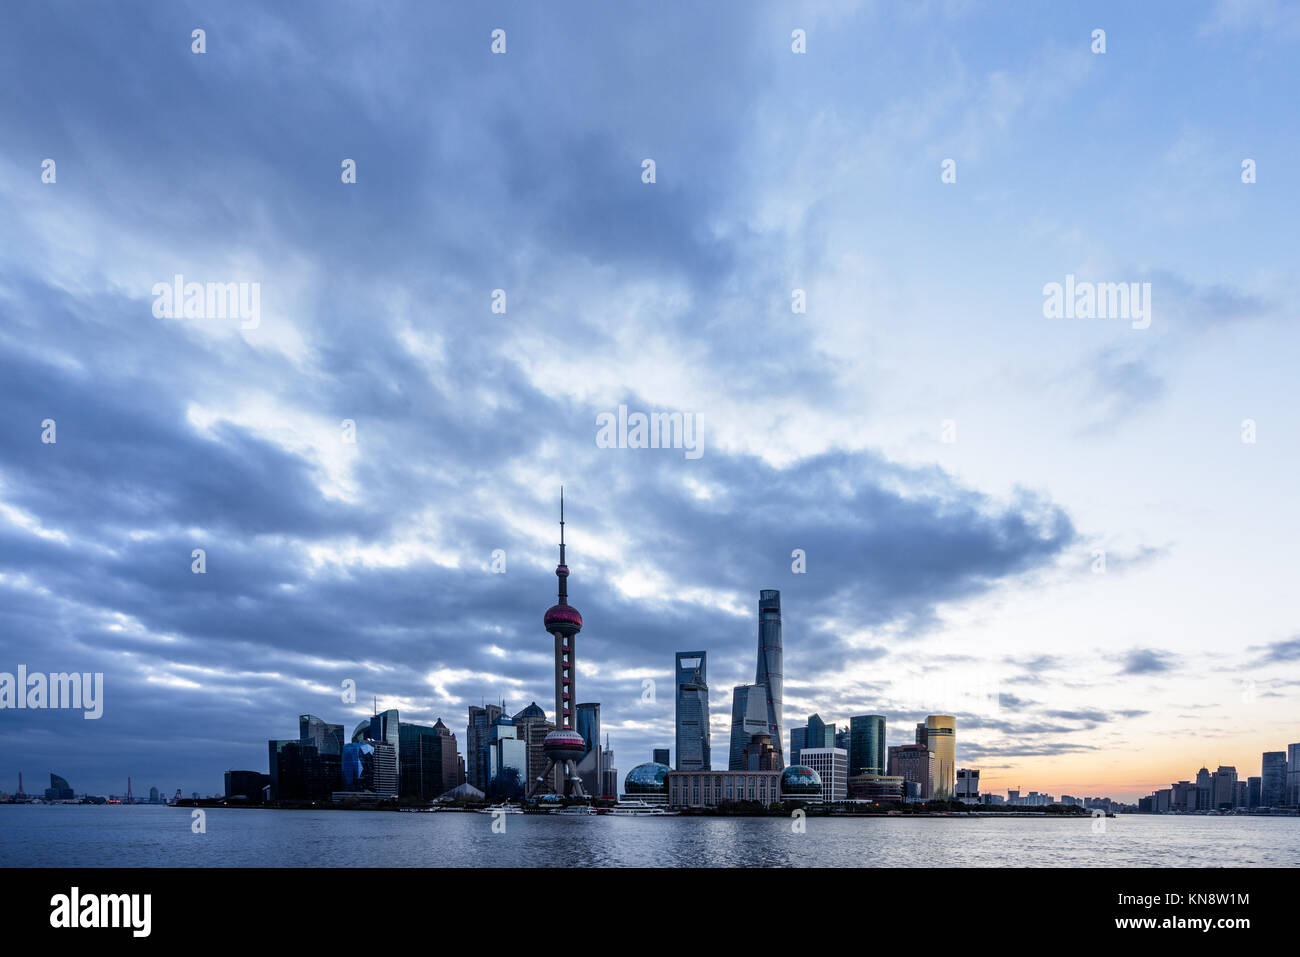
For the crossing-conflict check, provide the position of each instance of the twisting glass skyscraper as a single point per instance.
(769, 663)
(692, 699)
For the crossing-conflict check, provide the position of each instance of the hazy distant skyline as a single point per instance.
(929, 563)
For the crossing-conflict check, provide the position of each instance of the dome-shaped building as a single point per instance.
(800, 783)
(533, 712)
(647, 782)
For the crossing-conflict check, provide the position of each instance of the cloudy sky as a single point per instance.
(1058, 515)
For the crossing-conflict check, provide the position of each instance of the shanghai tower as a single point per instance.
(769, 663)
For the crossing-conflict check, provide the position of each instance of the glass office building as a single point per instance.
(477, 732)
(59, 789)
(867, 752)
(941, 738)
(1272, 785)
(798, 739)
(429, 765)
(748, 718)
(326, 738)
(589, 766)
(692, 715)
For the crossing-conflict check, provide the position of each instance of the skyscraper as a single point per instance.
(660, 756)
(761, 754)
(564, 746)
(385, 726)
(915, 763)
(819, 734)
(589, 727)
(507, 760)
(1272, 785)
(1292, 795)
(533, 727)
(608, 773)
(842, 741)
(769, 673)
(1204, 790)
(429, 765)
(477, 733)
(328, 738)
(798, 740)
(692, 698)
(1224, 787)
(941, 738)
(867, 753)
(832, 766)
(748, 718)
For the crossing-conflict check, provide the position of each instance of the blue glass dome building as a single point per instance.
(800, 783)
(648, 778)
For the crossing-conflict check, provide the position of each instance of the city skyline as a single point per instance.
(834, 280)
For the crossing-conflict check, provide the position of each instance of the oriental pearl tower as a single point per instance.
(563, 747)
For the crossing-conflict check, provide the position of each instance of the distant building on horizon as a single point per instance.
(1272, 785)
(1224, 788)
(660, 756)
(968, 784)
(59, 789)
(1292, 795)
(1204, 790)
(691, 697)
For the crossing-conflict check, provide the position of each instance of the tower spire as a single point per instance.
(562, 570)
